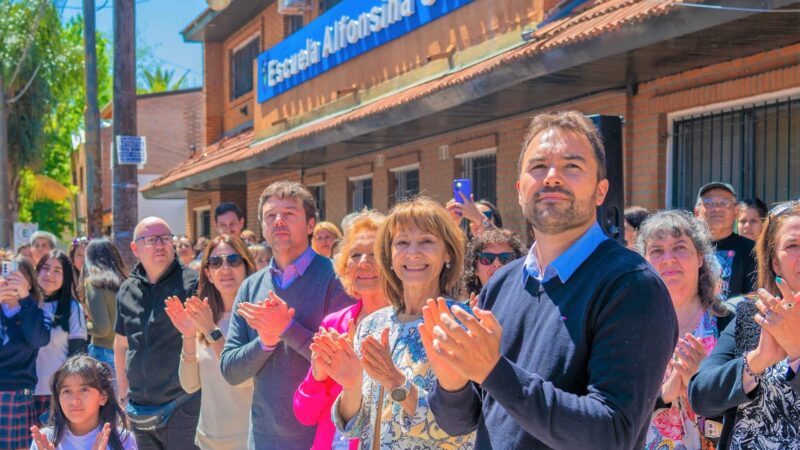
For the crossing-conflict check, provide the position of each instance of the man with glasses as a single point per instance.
(147, 347)
(716, 206)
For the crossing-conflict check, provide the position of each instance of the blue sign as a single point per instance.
(347, 30)
(131, 150)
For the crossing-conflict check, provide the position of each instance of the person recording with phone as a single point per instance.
(24, 329)
(482, 215)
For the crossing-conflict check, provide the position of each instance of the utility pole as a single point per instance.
(125, 184)
(91, 119)
(5, 175)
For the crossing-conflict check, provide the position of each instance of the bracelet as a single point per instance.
(188, 357)
(756, 377)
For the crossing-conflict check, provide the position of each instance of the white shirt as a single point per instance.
(71, 442)
(54, 354)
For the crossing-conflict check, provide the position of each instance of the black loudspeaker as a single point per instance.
(611, 214)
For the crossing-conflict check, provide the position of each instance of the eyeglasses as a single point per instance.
(724, 203)
(234, 260)
(151, 240)
(80, 241)
(780, 208)
(487, 259)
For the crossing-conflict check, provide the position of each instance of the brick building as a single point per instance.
(706, 93)
(172, 123)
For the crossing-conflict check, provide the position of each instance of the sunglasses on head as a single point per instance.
(234, 260)
(487, 259)
(781, 208)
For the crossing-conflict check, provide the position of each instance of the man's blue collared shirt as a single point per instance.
(568, 262)
(284, 278)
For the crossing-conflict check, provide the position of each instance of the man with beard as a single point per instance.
(569, 346)
(147, 347)
(716, 206)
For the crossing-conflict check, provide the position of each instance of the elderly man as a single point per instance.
(553, 357)
(275, 315)
(716, 206)
(147, 347)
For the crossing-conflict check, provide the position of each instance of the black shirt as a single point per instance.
(154, 344)
(735, 255)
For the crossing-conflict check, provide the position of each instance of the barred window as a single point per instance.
(482, 171)
(292, 24)
(755, 148)
(406, 184)
(242, 68)
(318, 192)
(361, 194)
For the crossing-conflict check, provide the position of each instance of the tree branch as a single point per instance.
(27, 85)
(29, 44)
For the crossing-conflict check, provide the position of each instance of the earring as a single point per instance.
(447, 265)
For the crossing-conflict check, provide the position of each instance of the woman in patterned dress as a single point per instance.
(385, 375)
(751, 374)
(679, 247)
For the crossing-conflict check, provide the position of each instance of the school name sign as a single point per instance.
(347, 30)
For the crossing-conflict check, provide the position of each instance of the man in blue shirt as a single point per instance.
(275, 315)
(569, 346)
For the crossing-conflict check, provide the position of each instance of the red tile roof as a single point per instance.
(601, 17)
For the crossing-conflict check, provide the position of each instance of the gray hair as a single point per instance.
(682, 223)
(45, 235)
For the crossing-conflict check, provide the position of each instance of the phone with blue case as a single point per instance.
(464, 186)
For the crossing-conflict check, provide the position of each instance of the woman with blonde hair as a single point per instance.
(325, 237)
(385, 374)
(357, 270)
(225, 409)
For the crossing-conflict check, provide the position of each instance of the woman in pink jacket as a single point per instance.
(355, 264)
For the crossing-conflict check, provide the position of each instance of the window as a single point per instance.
(482, 171)
(325, 5)
(319, 196)
(242, 68)
(361, 193)
(202, 223)
(406, 183)
(292, 24)
(755, 148)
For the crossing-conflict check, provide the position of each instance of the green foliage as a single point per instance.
(159, 79)
(43, 121)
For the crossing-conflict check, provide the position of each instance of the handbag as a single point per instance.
(151, 418)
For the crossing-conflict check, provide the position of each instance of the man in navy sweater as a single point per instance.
(569, 345)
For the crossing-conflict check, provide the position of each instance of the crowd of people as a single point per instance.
(425, 327)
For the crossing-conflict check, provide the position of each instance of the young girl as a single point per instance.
(68, 334)
(85, 413)
(24, 328)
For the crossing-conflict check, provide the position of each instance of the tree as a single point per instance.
(159, 79)
(44, 120)
(28, 47)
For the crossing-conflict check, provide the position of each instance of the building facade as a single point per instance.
(172, 124)
(369, 102)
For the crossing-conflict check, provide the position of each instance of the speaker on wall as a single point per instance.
(611, 214)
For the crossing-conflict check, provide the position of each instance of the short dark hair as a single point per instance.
(225, 208)
(573, 121)
(289, 189)
(635, 215)
(494, 236)
(757, 204)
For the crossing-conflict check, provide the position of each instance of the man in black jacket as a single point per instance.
(147, 346)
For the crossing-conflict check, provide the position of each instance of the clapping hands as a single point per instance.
(332, 355)
(270, 318)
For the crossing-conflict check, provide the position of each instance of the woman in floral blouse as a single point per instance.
(679, 247)
(385, 375)
(751, 374)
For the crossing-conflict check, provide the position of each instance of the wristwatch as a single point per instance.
(214, 335)
(400, 393)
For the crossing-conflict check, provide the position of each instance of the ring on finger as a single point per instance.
(788, 305)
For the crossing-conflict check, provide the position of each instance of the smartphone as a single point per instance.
(8, 267)
(464, 186)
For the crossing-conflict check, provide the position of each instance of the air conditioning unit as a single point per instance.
(293, 7)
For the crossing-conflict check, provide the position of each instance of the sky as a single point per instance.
(158, 24)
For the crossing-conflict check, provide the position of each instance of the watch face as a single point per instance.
(215, 335)
(399, 394)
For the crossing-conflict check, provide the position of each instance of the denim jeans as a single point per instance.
(102, 354)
